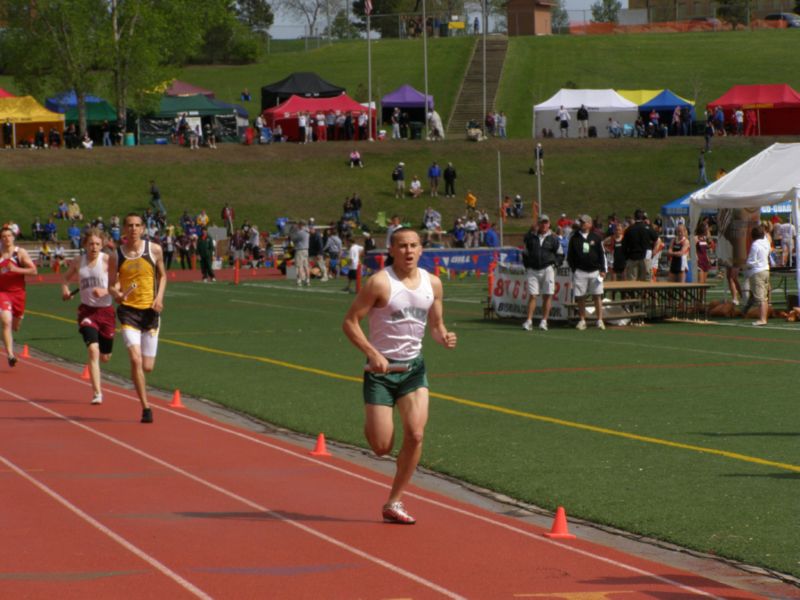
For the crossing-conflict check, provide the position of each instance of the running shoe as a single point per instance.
(97, 399)
(527, 325)
(543, 325)
(759, 323)
(396, 513)
(147, 415)
(600, 324)
(581, 325)
(12, 361)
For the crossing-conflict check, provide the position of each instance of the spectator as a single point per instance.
(39, 138)
(587, 261)
(434, 173)
(245, 95)
(37, 230)
(583, 122)
(355, 255)
(701, 248)
(471, 230)
(501, 123)
(471, 202)
(395, 120)
(202, 219)
(450, 181)
(155, 198)
(518, 207)
(228, 216)
(614, 247)
(678, 254)
(614, 130)
(758, 273)
(206, 252)
(74, 235)
(50, 231)
(86, 141)
(432, 219)
(415, 189)
(299, 236)
(333, 251)
(315, 251)
(74, 211)
(638, 243)
(701, 168)
(542, 254)
(563, 119)
(459, 233)
(490, 237)
(399, 179)
(63, 210)
(355, 159)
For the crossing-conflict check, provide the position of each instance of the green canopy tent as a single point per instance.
(96, 112)
(157, 128)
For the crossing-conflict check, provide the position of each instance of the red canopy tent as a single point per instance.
(286, 114)
(5, 94)
(776, 107)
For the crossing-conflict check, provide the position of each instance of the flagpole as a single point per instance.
(425, 63)
(368, 6)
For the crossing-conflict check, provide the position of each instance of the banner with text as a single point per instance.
(510, 293)
(458, 259)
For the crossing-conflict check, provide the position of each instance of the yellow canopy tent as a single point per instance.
(27, 115)
(639, 97)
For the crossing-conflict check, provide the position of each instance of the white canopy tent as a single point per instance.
(770, 177)
(601, 104)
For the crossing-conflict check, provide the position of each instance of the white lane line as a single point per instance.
(153, 562)
(483, 518)
(316, 310)
(225, 492)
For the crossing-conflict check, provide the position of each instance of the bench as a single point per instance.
(613, 310)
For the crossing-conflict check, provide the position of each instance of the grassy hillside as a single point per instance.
(596, 176)
(698, 66)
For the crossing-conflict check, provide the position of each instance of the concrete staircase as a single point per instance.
(469, 104)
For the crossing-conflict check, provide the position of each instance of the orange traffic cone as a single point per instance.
(176, 400)
(320, 449)
(85, 374)
(559, 531)
(25, 353)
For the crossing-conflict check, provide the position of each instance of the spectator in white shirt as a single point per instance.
(758, 272)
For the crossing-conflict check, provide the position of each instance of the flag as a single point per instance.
(367, 7)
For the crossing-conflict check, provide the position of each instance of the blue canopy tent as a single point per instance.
(66, 103)
(664, 104)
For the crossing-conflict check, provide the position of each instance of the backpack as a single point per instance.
(396, 174)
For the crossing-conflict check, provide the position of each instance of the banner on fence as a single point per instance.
(510, 293)
(458, 260)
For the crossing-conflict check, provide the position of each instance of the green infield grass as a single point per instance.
(682, 432)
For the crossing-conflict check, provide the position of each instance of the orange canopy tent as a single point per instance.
(286, 114)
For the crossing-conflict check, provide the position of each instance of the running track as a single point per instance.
(97, 505)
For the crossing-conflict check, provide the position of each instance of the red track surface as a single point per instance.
(97, 505)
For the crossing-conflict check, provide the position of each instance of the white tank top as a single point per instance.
(396, 330)
(94, 276)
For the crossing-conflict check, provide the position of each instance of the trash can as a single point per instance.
(130, 140)
(415, 128)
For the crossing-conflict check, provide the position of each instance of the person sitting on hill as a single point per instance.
(614, 130)
(63, 210)
(415, 189)
(74, 211)
(355, 159)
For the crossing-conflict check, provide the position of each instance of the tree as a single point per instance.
(342, 28)
(559, 18)
(256, 14)
(147, 39)
(53, 46)
(735, 12)
(311, 11)
(605, 11)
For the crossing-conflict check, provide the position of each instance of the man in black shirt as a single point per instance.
(587, 260)
(638, 247)
(542, 253)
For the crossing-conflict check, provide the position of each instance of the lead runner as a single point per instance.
(399, 301)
